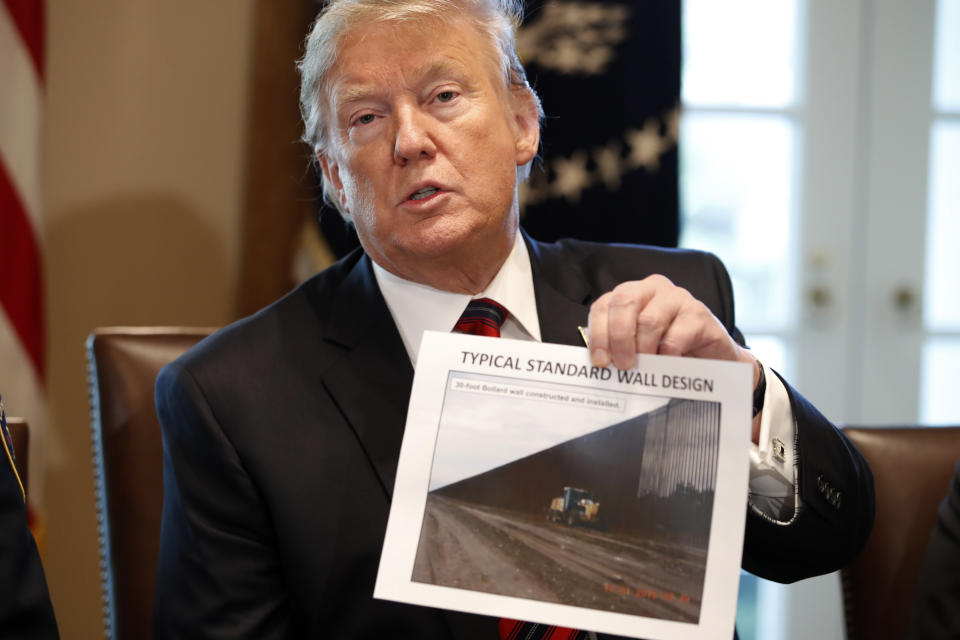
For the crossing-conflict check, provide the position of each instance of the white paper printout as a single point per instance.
(532, 485)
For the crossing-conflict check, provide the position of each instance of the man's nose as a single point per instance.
(414, 139)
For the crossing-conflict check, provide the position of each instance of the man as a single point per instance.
(282, 432)
(25, 608)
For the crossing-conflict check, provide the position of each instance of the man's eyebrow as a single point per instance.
(348, 93)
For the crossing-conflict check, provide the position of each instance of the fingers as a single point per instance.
(695, 331)
(607, 325)
(631, 319)
(654, 316)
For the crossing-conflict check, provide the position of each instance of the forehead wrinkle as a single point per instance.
(446, 66)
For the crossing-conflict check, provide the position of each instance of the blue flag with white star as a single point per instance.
(609, 77)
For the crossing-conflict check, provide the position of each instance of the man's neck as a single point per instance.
(417, 308)
(467, 273)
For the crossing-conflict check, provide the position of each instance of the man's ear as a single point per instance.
(331, 176)
(527, 122)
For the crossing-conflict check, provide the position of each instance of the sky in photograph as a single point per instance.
(481, 431)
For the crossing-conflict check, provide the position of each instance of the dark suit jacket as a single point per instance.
(282, 434)
(936, 614)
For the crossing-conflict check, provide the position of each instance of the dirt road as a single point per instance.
(485, 549)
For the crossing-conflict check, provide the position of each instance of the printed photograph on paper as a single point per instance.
(591, 498)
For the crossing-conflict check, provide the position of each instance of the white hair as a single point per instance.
(496, 19)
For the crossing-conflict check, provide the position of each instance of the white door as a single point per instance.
(820, 159)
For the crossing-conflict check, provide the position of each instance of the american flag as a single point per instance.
(21, 250)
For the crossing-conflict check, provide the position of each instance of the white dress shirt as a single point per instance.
(417, 308)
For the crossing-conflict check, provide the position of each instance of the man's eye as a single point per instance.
(366, 118)
(446, 96)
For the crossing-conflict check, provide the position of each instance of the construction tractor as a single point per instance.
(575, 506)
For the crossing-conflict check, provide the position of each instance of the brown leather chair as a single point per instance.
(20, 435)
(128, 465)
(912, 468)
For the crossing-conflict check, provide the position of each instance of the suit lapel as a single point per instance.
(371, 383)
(563, 294)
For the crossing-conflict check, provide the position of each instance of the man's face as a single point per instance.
(425, 143)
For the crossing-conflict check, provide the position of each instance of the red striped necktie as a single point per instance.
(484, 317)
(516, 630)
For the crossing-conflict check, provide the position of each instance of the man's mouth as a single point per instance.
(426, 192)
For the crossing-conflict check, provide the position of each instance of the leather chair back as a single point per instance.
(128, 465)
(20, 435)
(912, 468)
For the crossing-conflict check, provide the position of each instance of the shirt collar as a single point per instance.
(417, 307)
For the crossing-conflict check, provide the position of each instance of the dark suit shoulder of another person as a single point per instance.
(936, 613)
(25, 609)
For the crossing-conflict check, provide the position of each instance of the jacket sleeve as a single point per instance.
(218, 573)
(836, 515)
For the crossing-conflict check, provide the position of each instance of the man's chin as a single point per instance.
(442, 236)
(449, 260)
(431, 250)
